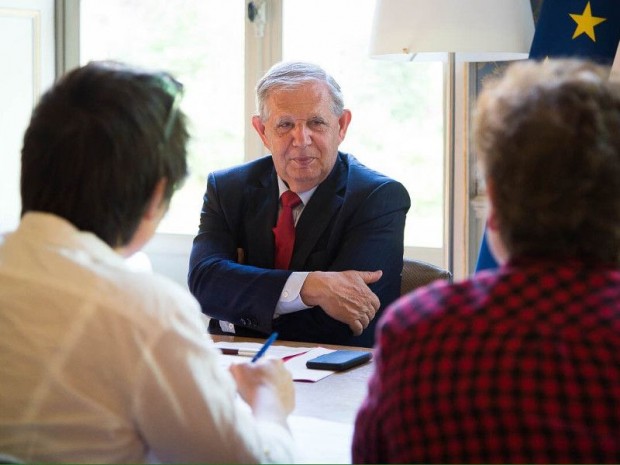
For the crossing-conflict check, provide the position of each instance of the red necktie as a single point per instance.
(284, 231)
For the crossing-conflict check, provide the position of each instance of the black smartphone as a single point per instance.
(339, 360)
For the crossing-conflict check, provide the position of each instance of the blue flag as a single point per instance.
(578, 28)
(570, 28)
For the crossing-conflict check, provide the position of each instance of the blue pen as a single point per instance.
(266, 345)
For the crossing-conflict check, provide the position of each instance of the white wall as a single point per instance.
(169, 255)
(27, 57)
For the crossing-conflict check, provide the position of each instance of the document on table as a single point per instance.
(295, 358)
(297, 366)
(275, 351)
(322, 441)
(318, 440)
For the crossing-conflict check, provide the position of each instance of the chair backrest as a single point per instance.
(8, 458)
(417, 273)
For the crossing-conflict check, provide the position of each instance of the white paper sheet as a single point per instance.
(273, 351)
(297, 366)
(295, 358)
(322, 441)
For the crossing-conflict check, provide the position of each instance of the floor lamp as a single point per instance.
(451, 31)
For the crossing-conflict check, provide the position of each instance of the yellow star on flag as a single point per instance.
(586, 22)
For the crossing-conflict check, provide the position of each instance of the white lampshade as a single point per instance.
(474, 30)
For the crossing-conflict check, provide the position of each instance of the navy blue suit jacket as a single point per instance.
(354, 221)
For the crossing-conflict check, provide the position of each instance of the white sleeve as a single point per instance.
(187, 409)
(290, 300)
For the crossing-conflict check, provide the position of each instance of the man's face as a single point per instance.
(302, 134)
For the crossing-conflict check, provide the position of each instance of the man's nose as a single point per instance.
(301, 135)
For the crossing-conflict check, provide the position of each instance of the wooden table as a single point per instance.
(325, 411)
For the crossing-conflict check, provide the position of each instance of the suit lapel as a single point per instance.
(317, 215)
(262, 202)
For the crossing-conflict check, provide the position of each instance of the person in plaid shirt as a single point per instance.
(519, 364)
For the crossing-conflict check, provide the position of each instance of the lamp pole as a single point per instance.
(476, 30)
(450, 161)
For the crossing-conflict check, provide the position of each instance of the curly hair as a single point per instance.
(548, 139)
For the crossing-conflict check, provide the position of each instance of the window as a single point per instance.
(397, 125)
(202, 43)
(27, 51)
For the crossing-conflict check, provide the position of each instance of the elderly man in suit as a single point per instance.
(330, 282)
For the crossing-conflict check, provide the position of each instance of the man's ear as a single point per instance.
(154, 212)
(257, 122)
(496, 244)
(491, 214)
(156, 203)
(343, 122)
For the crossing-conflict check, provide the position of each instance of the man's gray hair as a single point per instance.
(290, 75)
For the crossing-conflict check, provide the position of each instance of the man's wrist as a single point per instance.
(290, 297)
(310, 292)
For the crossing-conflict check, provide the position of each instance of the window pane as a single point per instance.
(202, 43)
(397, 125)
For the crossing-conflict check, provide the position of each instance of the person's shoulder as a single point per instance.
(257, 173)
(423, 303)
(156, 297)
(437, 302)
(363, 181)
(363, 173)
(246, 169)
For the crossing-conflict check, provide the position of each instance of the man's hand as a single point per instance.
(343, 295)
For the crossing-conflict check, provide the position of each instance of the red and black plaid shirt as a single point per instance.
(519, 365)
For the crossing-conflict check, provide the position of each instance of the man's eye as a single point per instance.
(316, 123)
(284, 125)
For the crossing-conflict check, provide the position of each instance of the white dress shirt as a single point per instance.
(99, 363)
(290, 299)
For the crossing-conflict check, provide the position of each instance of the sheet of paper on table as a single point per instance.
(322, 441)
(276, 351)
(297, 366)
(295, 358)
(318, 440)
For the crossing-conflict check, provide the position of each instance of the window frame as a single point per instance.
(263, 47)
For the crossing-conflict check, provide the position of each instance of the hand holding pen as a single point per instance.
(266, 345)
(258, 382)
